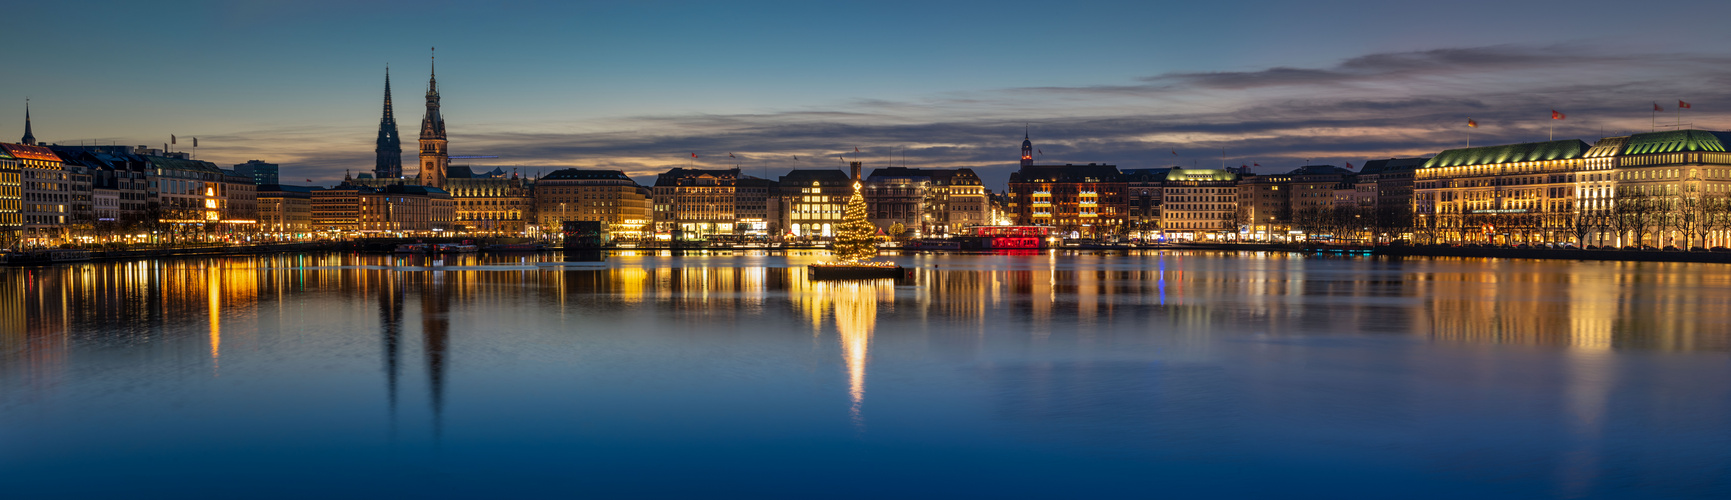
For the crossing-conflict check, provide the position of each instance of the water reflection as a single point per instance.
(852, 306)
(1576, 373)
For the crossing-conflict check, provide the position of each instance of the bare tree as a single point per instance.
(1715, 217)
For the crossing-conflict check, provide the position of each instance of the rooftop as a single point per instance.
(1510, 153)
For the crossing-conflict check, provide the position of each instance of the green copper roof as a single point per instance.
(1489, 155)
(1194, 174)
(1676, 141)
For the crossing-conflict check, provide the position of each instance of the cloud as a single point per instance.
(1371, 106)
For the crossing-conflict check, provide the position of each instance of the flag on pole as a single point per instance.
(1682, 104)
(195, 142)
(172, 139)
(856, 149)
(1041, 151)
(795, 157)
(1471, 123)
(730, 155)
(1657, 108)
(309, 180)
(1254, 164)
(1349, 165)
(693, 155)
(1174, 152)
(1556, 115)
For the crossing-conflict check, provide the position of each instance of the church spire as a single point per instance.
(1027, 148)
(29, 138)
(434, 159)
(388, 151)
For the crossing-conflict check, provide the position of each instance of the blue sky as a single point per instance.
(641, 85)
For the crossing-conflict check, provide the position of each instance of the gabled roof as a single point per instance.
(677, 176)
(24, 152)
(1676, 141)
(1068, 173)
(1391, 164)
(1510, 153)
(1147, 174)
(585, 174)
(797, 177)
(1319, 170)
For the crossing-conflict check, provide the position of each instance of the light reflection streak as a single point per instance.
(853, 306)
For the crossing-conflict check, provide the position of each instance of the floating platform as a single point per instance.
(846, 272)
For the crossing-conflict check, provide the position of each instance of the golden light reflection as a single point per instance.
(214, 295)
(853, 306)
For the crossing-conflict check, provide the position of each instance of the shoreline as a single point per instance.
(1384, 251)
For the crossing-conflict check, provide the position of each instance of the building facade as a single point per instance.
(926, 202)
(284, 210)
(607, 196)
(491, 203)
(1200, 205)
(11, 200)
(45, 188)
(695, 203)
(1510, 194)
(814, 202)
(1078, 201)
(398, 209)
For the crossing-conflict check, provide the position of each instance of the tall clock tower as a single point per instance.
(434, 157)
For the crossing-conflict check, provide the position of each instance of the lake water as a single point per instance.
(1160, 375)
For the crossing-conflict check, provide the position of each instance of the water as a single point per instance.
(1176, 375)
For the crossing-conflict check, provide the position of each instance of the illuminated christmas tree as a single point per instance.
(855, 240)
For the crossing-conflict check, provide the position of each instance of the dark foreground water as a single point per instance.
(1173, 375)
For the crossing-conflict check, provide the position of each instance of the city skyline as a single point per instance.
(312, 106)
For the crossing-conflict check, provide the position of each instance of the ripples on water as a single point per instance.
(1167, 374)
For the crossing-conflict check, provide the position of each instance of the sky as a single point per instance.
(642, 85)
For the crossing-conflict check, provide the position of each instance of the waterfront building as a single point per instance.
(388, 148)
(188, 193)
(45, 189)
(695, 203)
(927, 202)
(284, 210)
(607, 196)
(119, 184)
(491, 203)
(1668, 189)
(80, 191)
(396, 209)
(757, 207)
(1392, 180)
(11, 200)
(1200, 205)
(1079, 201)
(813, 202)
(434, 157)
(260, 172)
(1265, 205)
(1509, 194)
(239, 200)
(1144, 193)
